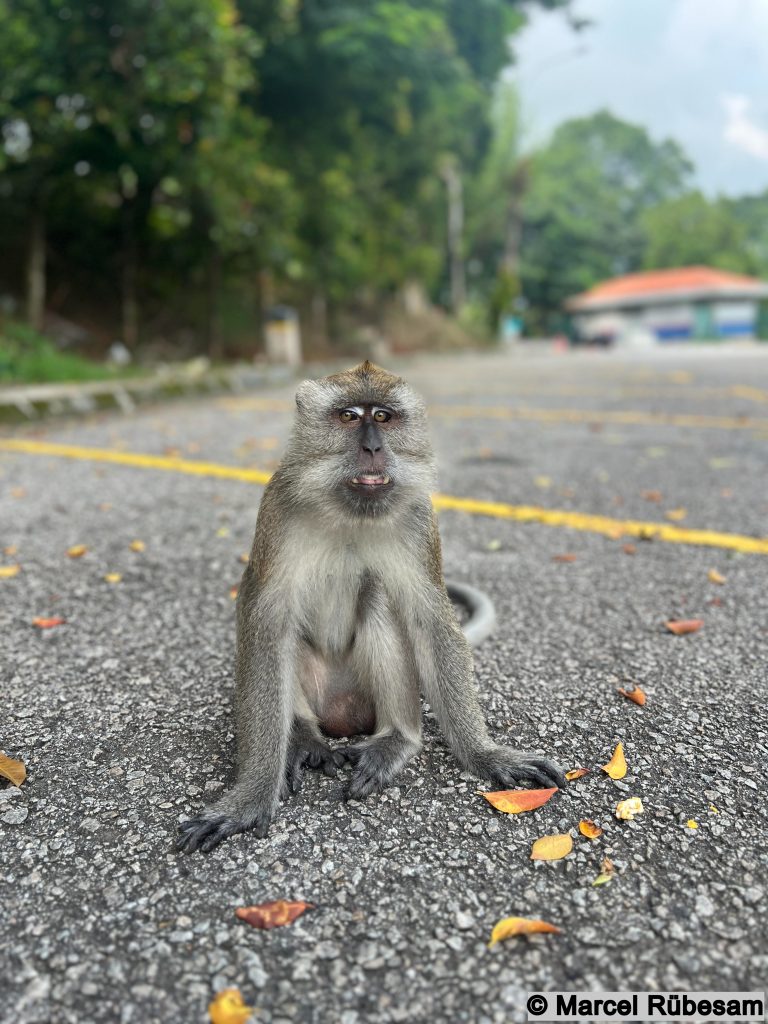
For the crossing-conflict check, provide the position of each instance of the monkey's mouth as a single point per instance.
(370, 483)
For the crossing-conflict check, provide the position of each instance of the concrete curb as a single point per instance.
(39, 401)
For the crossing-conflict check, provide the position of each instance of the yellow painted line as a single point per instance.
(622, 417)
(604, 525)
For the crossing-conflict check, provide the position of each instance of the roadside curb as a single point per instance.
(41, 401)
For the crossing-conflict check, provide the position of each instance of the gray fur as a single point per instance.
(343, 616)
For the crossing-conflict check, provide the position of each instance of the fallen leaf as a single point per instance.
(602, 878)
(493, 545)
(172, 452)
(615, 533)
(714, 576)
(228, 1008)
(105, 506)
(651, 495)
(245, 558)
(543, 481)
(628, 809)
(576, 773)
(680, 627)
(113, 577)
(588, 828)
(18, 492)
(11, 550)
(713, 809)
(233, 592)
(607, 866)
(636, 695)
(137, 545)
(514, 801)
(676, 515)
(552, 847)
(77, 551)
(726, 492)
(8, 571)
(629, 549)
(617, 766)
(48, 623)
(564, 558)
(691, 823)
(12, 770)
(223, 531)
(509, 926)
(716, 602)
(273, 914)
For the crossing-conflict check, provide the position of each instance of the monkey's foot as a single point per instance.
(219, 822)
(377, 763)
(505, 767)
(309, 752)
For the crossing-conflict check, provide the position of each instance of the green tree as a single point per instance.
(692, 230)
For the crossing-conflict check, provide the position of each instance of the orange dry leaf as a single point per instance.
(274, 914)
(636, 695)
(576, 773)
(18, 492)
(137, 545)
(228, 1008)
(48, 623)
(7, 571)
(244, 558)
(564, 558)
(617, 766)
(77, 551)
(588, 828)
(233, 591)
(514, 801)
(676, 514)
(629, 549)
(509, 926)
(11, 550)
(12, 770)
(714, 576)
(628, 809)
(552, 847)
(651, 495)
(682, 626)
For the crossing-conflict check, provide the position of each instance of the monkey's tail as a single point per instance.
(482, 614)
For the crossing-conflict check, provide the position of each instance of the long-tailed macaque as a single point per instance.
(343, 615)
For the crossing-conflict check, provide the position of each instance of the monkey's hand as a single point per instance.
(505, 766)
(307, 750)
(239, 810)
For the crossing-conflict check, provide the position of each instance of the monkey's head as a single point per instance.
(360, 442)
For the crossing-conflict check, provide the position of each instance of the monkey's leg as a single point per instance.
(307, 748)
(379, 657)
(444, 660)
(263, 710)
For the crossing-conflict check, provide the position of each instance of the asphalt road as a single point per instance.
(123, 716)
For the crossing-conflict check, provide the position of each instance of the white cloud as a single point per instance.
(741, 130)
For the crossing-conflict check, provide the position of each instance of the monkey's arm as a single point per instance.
(263, 709)
(444, 661)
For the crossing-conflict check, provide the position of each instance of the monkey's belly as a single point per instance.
(346, 714)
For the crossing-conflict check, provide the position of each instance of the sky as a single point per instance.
(692, 70)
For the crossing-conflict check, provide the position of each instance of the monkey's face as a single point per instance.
(363, 443)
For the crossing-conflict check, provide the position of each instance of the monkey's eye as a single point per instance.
(347, 415)
(382, 416)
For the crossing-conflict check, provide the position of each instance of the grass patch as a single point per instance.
(27, 357)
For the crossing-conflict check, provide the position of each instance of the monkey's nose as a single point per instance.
(371, 440)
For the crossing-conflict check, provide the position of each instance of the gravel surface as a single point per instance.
(123, 718)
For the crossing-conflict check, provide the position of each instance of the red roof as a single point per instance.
(665, 282)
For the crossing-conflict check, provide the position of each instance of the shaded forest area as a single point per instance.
(171, 168)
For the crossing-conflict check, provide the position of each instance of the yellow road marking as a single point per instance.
(604, 525)
(623, 417)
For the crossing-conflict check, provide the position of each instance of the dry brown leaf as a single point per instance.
(651, 495)
(105, 506)
(233, 591)
(617, 766)
(43, 623)
(628, 809)
(244, 558)
(636, 695)
(576, 773)
(715, 577)
(273, 914)
(588, 828)
(607, 866)
(509, 926)
(12, 770)
(9, 571)
(552, 847)
(514, 801)
(77, 550)
(676, 515)
(681, 627)
(18, 492)
(113, 577)
(564, 558)
(228, 1008)
(137, 545)
(629, 549)
(11, 550)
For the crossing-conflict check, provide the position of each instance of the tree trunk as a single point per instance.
(215, 346)
(35, 284)
(318, 318)
(453, 185)
(130, 302)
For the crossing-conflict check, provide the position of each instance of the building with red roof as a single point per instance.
(675, 304)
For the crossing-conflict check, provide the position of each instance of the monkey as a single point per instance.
(343, 616)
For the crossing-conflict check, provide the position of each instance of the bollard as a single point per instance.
(281, 332)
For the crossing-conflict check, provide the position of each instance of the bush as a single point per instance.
(27, 357)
